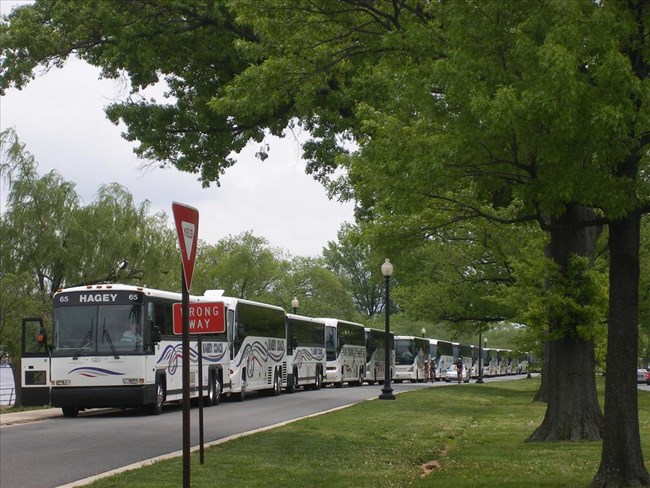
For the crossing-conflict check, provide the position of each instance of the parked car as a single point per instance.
(642, 376)
(452, 374)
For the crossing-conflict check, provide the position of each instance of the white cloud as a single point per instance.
(60, 117)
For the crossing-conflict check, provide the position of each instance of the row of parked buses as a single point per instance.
(117, 346)
(423, 359)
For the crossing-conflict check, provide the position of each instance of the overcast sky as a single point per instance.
(60, 118)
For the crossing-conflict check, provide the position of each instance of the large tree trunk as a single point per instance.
(572, 411)
(622, 460)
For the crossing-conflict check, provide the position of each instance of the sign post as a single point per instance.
(187, 228)
(203, 318)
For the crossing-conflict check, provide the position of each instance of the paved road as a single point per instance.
(62, 450)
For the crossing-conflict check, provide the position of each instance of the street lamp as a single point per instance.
(423, 331)
(480, 356)
(295, 304)
(387, 391)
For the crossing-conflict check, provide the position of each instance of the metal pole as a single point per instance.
(387, 391)
(480, 357)
(199, 346)
(186, 381)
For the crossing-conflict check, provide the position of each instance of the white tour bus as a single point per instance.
(376, 356)
(345, 346)
(445, 356)
(114, 346)
(411, 359)
(255, 341)
(306, 361)
(491, 366)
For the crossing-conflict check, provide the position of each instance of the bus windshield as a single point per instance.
(98, 329)
(404, 351)
(330, 343)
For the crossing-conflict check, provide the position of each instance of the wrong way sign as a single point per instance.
(204, 318)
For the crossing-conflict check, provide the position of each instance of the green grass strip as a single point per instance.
(472, 436)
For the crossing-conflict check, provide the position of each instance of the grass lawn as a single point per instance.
(475, 433)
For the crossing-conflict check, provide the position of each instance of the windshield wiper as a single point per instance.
(110, 341)
(85, 342)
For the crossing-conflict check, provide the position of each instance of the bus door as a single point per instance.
(35, 363)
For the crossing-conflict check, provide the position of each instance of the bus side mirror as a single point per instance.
(155, 335)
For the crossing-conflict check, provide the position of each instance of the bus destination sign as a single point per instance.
(205, 318)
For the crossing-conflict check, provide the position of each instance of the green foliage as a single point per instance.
(190, 46)
(573, 303)
(243, 266)
(321, 292)
(358, 265)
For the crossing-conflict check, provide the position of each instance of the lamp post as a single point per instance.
(387, 391)
(423, 331)
(480, 357)
(295, 304)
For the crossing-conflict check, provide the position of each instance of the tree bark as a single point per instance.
(572, 411)
(622, 460)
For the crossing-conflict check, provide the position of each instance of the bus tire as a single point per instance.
(70, 412)
(292, 384)
(157, 406)
(214, 389)
(319, 380)
(277, 385)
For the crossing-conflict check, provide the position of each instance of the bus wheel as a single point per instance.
(157, 406)
(214, 390)
(70, 411)
(293, 383)
(277, 385)
(318, 383)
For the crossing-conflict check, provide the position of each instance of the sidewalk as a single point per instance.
(7, 417)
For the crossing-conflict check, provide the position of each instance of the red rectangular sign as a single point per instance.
(205, 318)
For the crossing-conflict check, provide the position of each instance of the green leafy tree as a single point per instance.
(354, 261)
(320, 292)
(243, 266)
(516, 111)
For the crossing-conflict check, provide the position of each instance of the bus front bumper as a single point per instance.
(103, 397)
